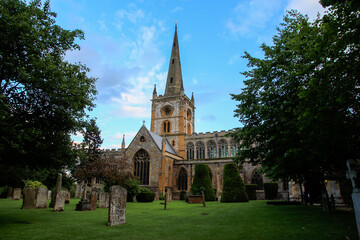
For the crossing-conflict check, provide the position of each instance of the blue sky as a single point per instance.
(127, 46)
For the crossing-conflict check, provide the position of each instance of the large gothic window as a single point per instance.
(257, 179)
(166, 127)
(223, 148)
(142, 166)
(190, 150)
(200, 150)
(182, 180)
(211, 149)
(233, 148)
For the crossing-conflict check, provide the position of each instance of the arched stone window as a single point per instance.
(142, 139)
(188, 115)
(182, 180)
(166, 127)
(211, 149)
(188, 129)
(233, 148)
(200, 150)
(257, 179)
(142, 166)
(223, 148)
(190, 150)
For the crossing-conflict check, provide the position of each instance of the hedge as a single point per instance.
(233, 185)
(182, 195)
(271, 190)
(145, 195)
(202, 182)
(251, 191)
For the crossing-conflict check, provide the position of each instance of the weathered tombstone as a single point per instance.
(353, 169)
(117, 205)
(93, 199)
(16, 194)
(56, 190)
(84, 204)
(41, 197)
(67, 197)
(60, 201)
(29, 198)
(10, 192)
(157, 195)
(103, 200)
(49, 194)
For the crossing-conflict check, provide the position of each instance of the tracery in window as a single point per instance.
(223, 148)
(200, 150)
(142, 166)
(233, 148)
(257, 179)
(211, 149)
(190, 150)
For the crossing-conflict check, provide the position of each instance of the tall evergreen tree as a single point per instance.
(233, 186)
(202, 182)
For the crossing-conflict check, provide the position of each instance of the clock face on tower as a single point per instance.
(167, 111)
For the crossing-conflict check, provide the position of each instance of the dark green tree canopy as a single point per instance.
(300, 107)
(43, 98)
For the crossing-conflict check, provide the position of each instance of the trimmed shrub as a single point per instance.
(33, 184)
(202, 182)
(233, 186)
(251, 191)
(271, 190)
(145, 195)
(182, 195)
(132, 187)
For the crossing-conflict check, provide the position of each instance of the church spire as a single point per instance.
(174, 83)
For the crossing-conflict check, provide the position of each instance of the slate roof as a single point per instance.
(158, 141)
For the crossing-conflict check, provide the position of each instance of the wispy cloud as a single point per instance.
(309, 7)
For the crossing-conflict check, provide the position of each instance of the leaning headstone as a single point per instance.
(56, 190)
(103, 200)
(60, 201)
(117, 205)
(29, 198)
(41, 197)
(10, 192)
(67, 197)
(352, 174)
(93, 199)
(16, 194)
(84, 204)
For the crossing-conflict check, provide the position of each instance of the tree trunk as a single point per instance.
(325, 198)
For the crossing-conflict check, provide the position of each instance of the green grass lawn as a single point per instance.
(253, 220)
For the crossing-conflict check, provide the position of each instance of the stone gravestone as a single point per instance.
(10, 192)
(41, 197)
(60, 201)
(56, 190)
(84, 204)
(67, 197)
(29, 198)
(93, 199)
(16, 194)
(117, 205)
(103, 199)
(353, 170)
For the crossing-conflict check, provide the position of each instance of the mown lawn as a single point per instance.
(253, 220)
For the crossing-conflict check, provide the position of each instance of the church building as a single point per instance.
(164, 156)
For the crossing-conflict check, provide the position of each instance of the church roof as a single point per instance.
(174, 83)
(158, 141)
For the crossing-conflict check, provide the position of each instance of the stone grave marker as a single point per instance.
(67, 197)
(29, 198)
(103, 199)
(16, 194)
(56, 190)
(93, 199)
(353, 169)
(60, 201)
(117, 206)
(10, 192)
(41, 197)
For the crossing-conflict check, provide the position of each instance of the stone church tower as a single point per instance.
(173, 113)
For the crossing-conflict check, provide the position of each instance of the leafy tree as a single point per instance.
(300, 107)
(43, 98)
(202, 182)
(233, 186)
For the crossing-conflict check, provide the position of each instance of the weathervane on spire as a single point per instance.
(143, 122)
(175, 24)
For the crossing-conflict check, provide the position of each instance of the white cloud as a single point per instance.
(251, 16)
(133, 16)
(309, 7)
(177, 9)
